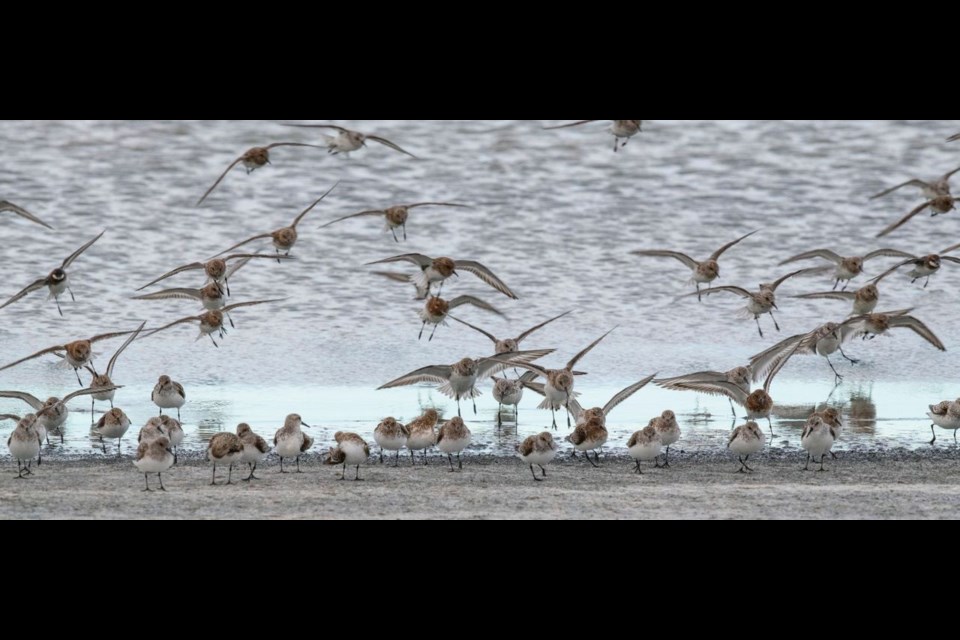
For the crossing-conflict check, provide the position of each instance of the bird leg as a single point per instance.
(534, 474)
(759, 328)
(848, 358)
(932, 442)
(774, 321)
(839, 378)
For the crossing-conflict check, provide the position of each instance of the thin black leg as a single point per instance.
(213, 483)
(146, 479)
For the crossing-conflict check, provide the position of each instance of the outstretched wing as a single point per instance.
(220, 179)
(625, 394)
(312, 206)
(579, 356)
(947, 176)
(319, 126)
(88, 392)
(887, 253)
(727, 389)
(436, 373)
(743, 293)
(76, 254)
(701, 376)
(486, 276)
(116, 355)
(487, 367)
(362, 214)
(171, 325)
(906, 219)
(922, 330)
(39, 284)
(894, 268)
(392, 145)
(240, 305)
(459, 301)
(33, 401)
(437, 204)
(172, 294)
(719, 252)
(682, 257)
(188, 267)
(34, 356)
(776, 284)
(526, 334)
(23, 213)
(954, 138)
(418, 259)
(262, 236)
(775, 357)
(567, 126)
(826, 254)
(477, 329)
(829, 295)
(909, 183)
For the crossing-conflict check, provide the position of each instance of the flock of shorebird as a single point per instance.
(161, 436)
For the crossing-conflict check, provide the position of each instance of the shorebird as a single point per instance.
(224, 449)
(212, 296)
(291, 442)
(817, 439)
(440, 269)
(154, 457)
(645, 446)
(286, 238)
(589, 436)
(923, 267)
(347, 140)
(76, 354)
(152, 430)
(173, 430)
(422, 434)
(52, 414)
(831, 418)
(218, 270)
(390, 435)
(598, 413)
(941, 205)
(405, 279)
(460, 380)
(210, 322)
(875, 324)
(538, 450)
(703, 272)
(668, 429)
(437, 310)
(253, 159)
(23, 213)
(168, 394)
(255, 449)
(864, 300)
(508, 392)
(945, 415)
(847, 268)
(453, 438)
(558, 385)
(351, 450)
(24, 442)
(620, 129)
(740, 377)
(511, 345)
(57, 281)
(931, 190)
(745, 441)
(113, 424)
(396, 216)
(102, 384)
(954, 138)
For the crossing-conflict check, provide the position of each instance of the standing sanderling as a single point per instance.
(154, 457)
(437, 310)
(511, 345)
(396, 216)
(24, 442)
(152, 430)
(620, 130)
(168, 394)
(538, 450)
(255, 449)
(23, 213)
(351, 450)
(864, 300)
(76, 354)
(453, 438)
(745, 441)
(113, 424)
(253, 159)
(589, 436)
(817, 439)
(669, 431)
(422, 434)
(848, 268)
(291, 442)
(57, 282)
(174, 432)
(348, 140)
(945, 415)
(224, 449)
(645, 446)
(390, 435)
(438, 270)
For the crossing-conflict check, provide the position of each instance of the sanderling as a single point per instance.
(666, 425)
(817, 439)
(52, 414)
(620, 129)
(538, 450)
(23, 213)
(154, 457)
(396, 216)
(168, 394)
(253, 159)
(422, 434)
(877, 324)
(76, 354)
(940, 206)
(460, 379)
(945, 415)
(439, 269)
(931, 190)
(224, 449)
(741, 377)
(211, 296)
(831, 418)
(703, 272)
(173, 429)
(152, 430)
(453, 438)
(601, 413)
(923, 267)
(850, 267)
(102, 384)
(255, 449)
(437, 310)
(823, 341)
(589, 436)
(24, 442)
(512, 345)
(559, 383)
(645, 446)
(346, 140)
(283, 239)
(864, 300)
(351, 450)
(291, 442)
(508, 392)
(745, 441)
(390, 435)
(113, 424)
(57, 281)
(210, 322)
(218, 270)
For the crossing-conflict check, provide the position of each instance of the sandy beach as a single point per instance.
(887, 485)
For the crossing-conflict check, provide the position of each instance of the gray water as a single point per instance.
(555, 214)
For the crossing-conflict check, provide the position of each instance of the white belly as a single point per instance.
(646, 452)
(827, 346)
(176, 437)
(590, 445)
(864, 308)
(53, 420)
(344, 143)
(115, 430)
(149, 465)
(390, 443)
(449, 446)
(945, 422)
(58, 289)
(24, 449)
(231, 458)
(354, 453)
(758, 416)
(623, 130)
(106, 396)
(252, 454)
(540, 458)
(818, 443)
(290, 447)
(743, 447)
(420, 441)
(669, 438)
(168, 400)
(511, 399)
(462, 386)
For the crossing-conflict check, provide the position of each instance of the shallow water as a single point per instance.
(555, 214)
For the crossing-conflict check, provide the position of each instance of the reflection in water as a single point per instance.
(863, 412)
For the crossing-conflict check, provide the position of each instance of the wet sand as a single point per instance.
(890, 485)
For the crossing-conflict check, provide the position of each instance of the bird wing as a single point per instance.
(954, 138)
(682, 257)
(312, 206)
(922, 330)
(36, 355)
(947, 176)
(887, 253)
(240, 265)
(110, 336)
(240, 305)
(486, 276)
(894, 268)
(39, 284)
(950, 259)
(371, 213)
(826, 254)
(220, 179)
(31, 400)
(23, 213)
(905, 219)
(567, 126)
(776, 284)
(418, 259)
(172, 294)
(88, 392)
(392, 145)
(436, 373)
(579, 356)
(775, 357)
(116, 355)
(76, 254)
(487, 367)
(171, 325)
(319, 126)
(702, 376)
(719, 252)
(188, 267)
(262, 236)
(909, 183)
(625, 394)
(743, 293)
(251, 256)
(727, 389)
(526, 334)
(10, 416)
(780, 363)
(292, 144)
(438, 204)
(459, 301)
(477, 329)
(953, 248)
(828, 295)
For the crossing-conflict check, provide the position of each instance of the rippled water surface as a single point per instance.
(554, 213)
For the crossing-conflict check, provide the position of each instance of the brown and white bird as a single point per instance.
(599, 413)
(348, 140)
(453, 438)
(291, 442)
(351, 450)
(24, 443)
(396, 216)
(76, 354)
(218, 270)
(668, 429)
(210, 322)
(422, 434)
(864, 300)
(102, 384)
(436, 311)
(286, 238)
(620, 129)
(255, 449)
(212, 296)
(703, 272)
(940, 205)
(253, 159)
(511, 345)
(847, 268)
(538, 450)
(823, 341)
(438, 270)
(923, 266)
(645, 446)
(113, 425)
(589, 436)
(390, 435)
(741, 377)
(225, 449)
(57, 281)
(168, 394)
(51, 414)
(745, 441)
(152, 457)
(937, 193)
(23, 213)
(459, 380)
(877, 324)
(817, 439)
(945, 415)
